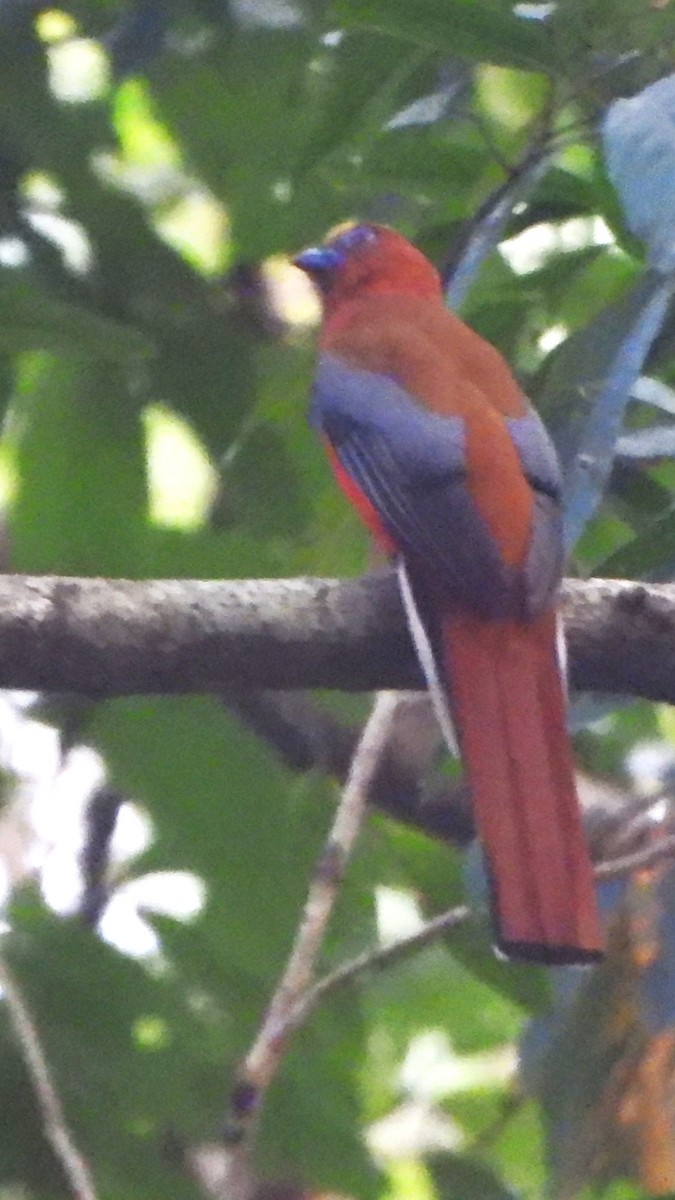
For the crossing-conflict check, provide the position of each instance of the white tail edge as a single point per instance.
(426, 659)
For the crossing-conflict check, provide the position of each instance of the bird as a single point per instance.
(450, 467)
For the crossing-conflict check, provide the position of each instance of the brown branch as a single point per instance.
(265, 1055)
(384, 957)
(377, 960)
(446, 922)
(648, 856)
(116, 637)
(621, 637)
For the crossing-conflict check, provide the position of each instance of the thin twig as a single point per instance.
(649, 856)
(100, 821)
(377, 960)
(387, 956)
(56, 1130)
(264, 1057)
(487, 226)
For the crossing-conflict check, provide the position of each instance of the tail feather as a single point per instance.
(500, 683)
(509, 704)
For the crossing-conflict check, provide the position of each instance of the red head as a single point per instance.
(363, 259)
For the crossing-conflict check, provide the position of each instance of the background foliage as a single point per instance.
(155, 357)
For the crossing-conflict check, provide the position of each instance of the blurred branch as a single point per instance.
(308, 738)
(117, 637)
(647, 856)
(55, 1128)
(486, 229)
(137, 38)
(446, 922)
(100, 821)
(408, 787)
(588, 473)
(379, 960)
(264, 1058)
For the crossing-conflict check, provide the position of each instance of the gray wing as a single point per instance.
(410, 464)
(546, 557)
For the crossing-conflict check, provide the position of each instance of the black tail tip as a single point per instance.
(543, 955)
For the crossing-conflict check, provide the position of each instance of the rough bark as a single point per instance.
(116, 637)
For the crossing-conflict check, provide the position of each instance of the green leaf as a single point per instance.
(650, 554)
(90, 1004)
(623, 32)
(80, 455)
(355, 86)
(34, 320)
(436, 874)
(459, 1175)
(482, 30)
(264, 492)
(252, 172)
(588, 386)
(517, 1153)
(223, 809)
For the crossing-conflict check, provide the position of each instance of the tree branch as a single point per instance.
(271, 1041)
(647, 856)
(116, 637)
(75, 1168)
(307, 737)
(380, 959)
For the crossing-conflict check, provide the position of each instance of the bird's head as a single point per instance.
(356, 259)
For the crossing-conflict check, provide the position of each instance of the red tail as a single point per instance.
(508, 704)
